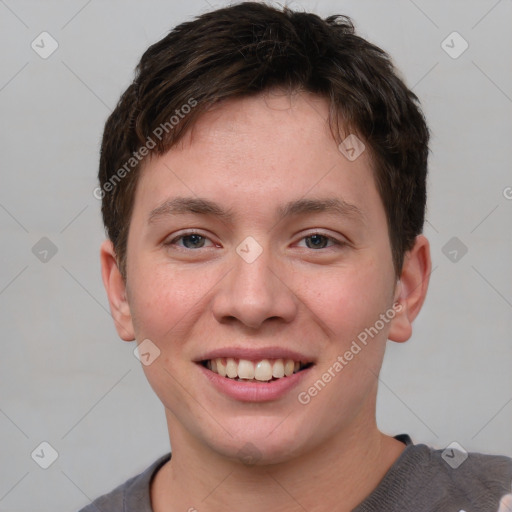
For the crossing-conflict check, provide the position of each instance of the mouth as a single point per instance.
(258, 371)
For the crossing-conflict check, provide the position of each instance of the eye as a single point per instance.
(320, 241)
(193, 240)
(190, 240)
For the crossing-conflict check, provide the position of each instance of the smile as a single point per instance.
(263, 370)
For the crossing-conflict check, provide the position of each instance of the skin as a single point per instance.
(506, 503)
(252, 155)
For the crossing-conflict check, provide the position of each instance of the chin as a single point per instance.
(261, 447)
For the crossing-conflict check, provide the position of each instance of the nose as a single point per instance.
(254, 292)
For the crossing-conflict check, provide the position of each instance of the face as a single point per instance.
(257, 248)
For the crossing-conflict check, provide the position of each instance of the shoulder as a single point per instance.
(132, 495)
(470, 480)
(478, 476)
(427, 479)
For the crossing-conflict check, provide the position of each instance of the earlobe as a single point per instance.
(116, 292)
(411, 289)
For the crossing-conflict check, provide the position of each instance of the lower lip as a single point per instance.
(254, 391)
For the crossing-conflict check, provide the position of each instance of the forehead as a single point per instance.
(281, 119)
(258, 150)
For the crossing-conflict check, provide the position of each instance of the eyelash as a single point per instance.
(334, 241)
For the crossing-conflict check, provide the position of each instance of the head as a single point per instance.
(239, 220)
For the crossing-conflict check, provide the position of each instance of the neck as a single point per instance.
(343, 471)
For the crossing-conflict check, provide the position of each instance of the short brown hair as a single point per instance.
(246, 49)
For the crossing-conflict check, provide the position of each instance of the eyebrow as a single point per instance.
(202, 206)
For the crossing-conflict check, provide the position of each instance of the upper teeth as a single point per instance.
(262, 370)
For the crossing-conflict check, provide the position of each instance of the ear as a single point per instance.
(116, 292)
(411, 289)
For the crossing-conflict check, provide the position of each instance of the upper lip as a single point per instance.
(255, 354)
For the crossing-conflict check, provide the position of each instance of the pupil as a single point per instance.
(195, 239)
(317, 240)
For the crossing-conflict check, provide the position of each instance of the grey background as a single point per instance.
(67, 379)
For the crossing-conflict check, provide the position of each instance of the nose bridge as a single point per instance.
(253, 291)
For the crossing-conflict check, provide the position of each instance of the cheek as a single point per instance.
(351, 299)
(165, 308)
(164, 301)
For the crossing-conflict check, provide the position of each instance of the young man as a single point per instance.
(263, 187)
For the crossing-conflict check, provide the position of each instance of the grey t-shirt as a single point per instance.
(420, 480)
